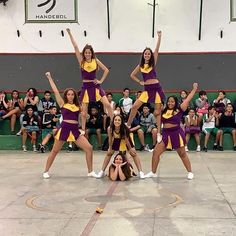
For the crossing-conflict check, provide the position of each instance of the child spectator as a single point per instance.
(147, 126)
(183, 96)
(3, 104)
(94, 125)
(120, 169)
(106, 118)
(30, 127)
(49, 125)
(201, 105)
(227, 125)
(15, 108)
(126, 103)
(192, 128)
(210, 121)
(46, 103)
(220, 102)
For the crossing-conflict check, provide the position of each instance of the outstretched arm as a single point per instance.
(105, 71)
(58, 97)
(157, 46)
(77, 51)
(186, 102)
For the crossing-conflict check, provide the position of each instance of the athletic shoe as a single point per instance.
(214, 147)
(186, 148)
(42, 148)
(204, 149)
(141, 148)
(150, 175)
(146, 148)
(34, 148)
(101, 174)
(159, 137)
(24, 148)
(198, 148)
(92, 174)
(19, 133)
(141, 175)
(46, 175)
(190, 175)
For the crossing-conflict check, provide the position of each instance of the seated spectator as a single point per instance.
(49, 125)
(15, 108)
(135, 125)
(147, 126)
(192, 128)
(106, 118)
(126, 103)
(30, 128)
(220, 102)
(46, 103)
(227, 125)
(3, 104)
(118, 111)
(210, 121)
(120, 169)
(201, 105)
(94, 125)
(31, 99)
(183, 96)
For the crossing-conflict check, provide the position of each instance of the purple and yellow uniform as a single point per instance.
(119, 144)
(90, 92)
(174, 137)
(67, 131)
(152, 93)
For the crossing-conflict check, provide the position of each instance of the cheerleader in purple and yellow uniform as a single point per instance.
(120, 140)
(173, 136)
(91, 89)
(153, 92)
(68, 131)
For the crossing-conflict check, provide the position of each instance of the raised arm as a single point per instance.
(105, 71)
(156, 51)
(186, 102)
(58, 97)
(77, 51)
(134, 77)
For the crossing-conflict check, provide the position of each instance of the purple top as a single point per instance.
(70, 112)
(148, 72)
(88, 70)
(172, 119)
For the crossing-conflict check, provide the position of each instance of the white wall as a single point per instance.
(131, 27)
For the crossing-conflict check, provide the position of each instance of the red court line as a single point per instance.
(89, 227)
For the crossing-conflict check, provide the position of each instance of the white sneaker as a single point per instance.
(146, 148)
(190, 175)
(159, 137)
(92, 174)
(150, 175)
(34, 148)
(100, 174)
(186, 148)
(24, 148)
(46, 175)
(198, 148)
(19, 133)
(141, 175)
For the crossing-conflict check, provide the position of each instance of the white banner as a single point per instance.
(49, 11)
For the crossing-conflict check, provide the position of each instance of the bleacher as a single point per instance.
(13, 142)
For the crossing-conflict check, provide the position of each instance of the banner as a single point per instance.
(51, 11)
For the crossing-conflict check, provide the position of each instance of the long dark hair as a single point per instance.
(124, 131)
(176, 107)
(15, 91)
(127, 168)
(75, 101)
(151, 61)
(34, 91)
(87, 46)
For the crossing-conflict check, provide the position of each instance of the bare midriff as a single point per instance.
(168, 125)
(88, 80)
(71, 121)
(151, 81)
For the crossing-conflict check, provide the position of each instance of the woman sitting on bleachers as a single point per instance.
(16, 105)
(221, 101)
(201, 105)
(3, 104)
(227, 125)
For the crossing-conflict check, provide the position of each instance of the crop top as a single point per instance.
(148, 72)
(70, 112)
(88, 70)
